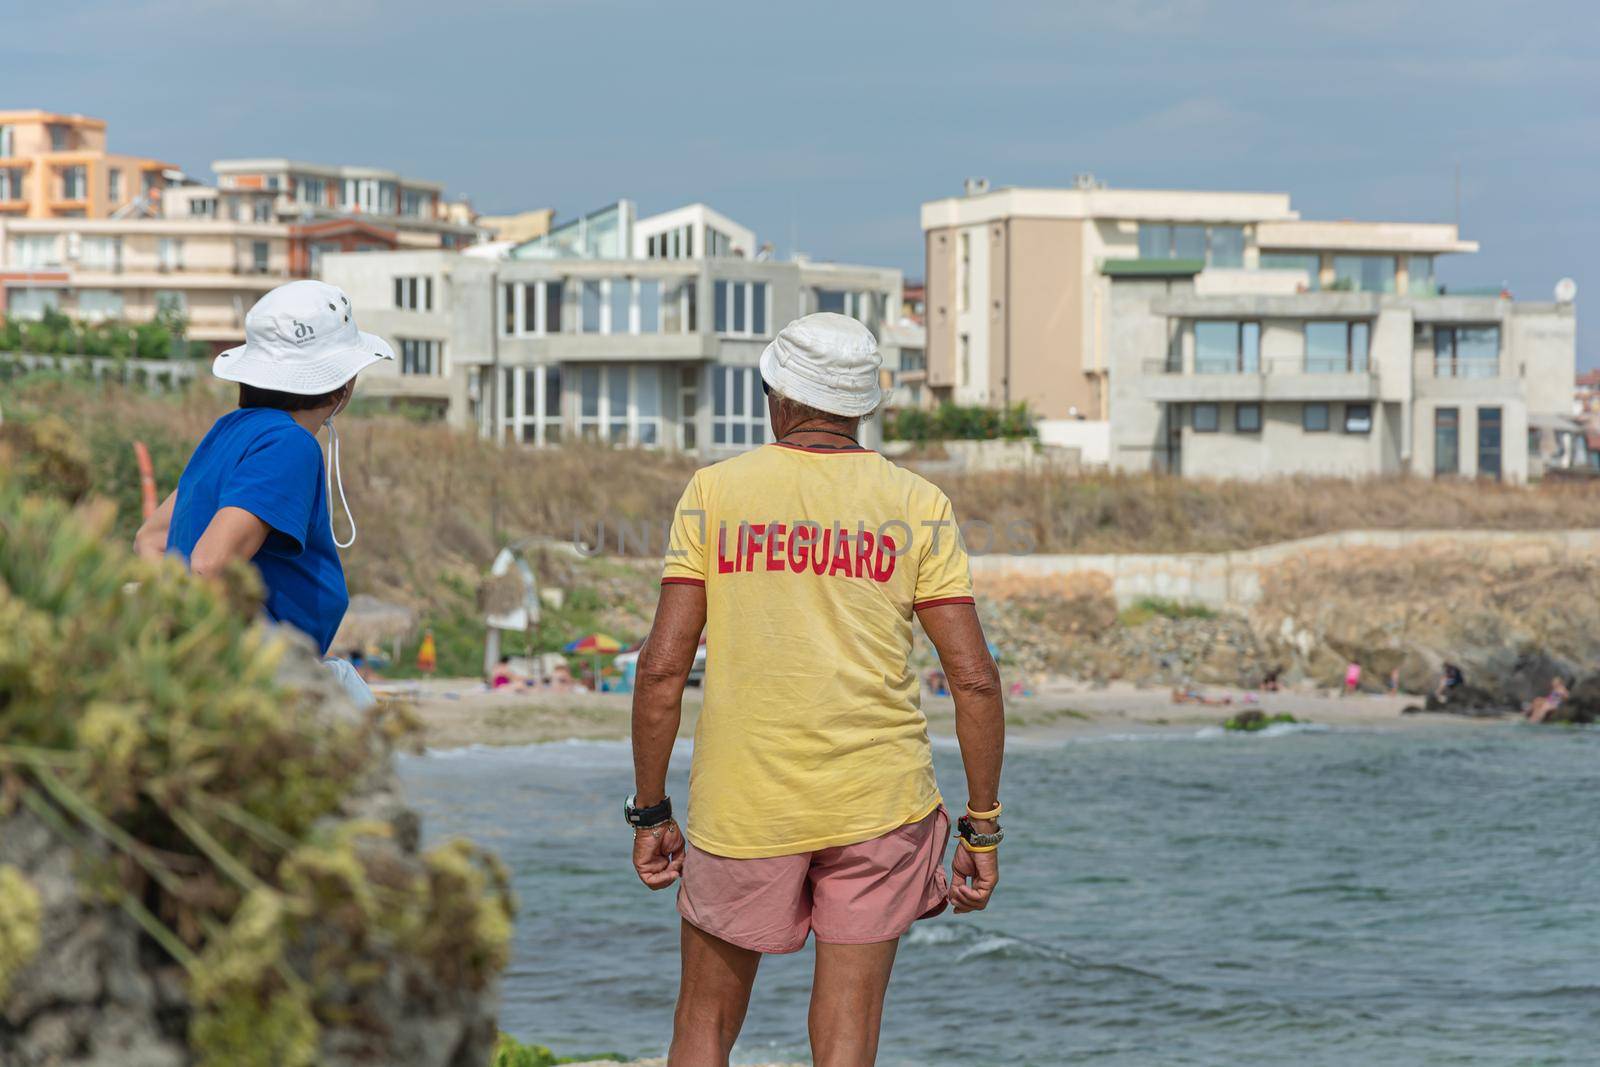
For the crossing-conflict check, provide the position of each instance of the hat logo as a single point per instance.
(302, 331)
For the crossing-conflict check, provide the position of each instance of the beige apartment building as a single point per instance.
(210, 252)
(57, 166)
(1219, 334)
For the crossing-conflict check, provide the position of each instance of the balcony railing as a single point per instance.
(1276, 366)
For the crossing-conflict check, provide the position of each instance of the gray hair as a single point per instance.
(805, 410)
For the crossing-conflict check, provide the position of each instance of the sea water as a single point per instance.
(1419, 896)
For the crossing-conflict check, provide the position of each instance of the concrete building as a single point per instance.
(210, 252)
(523, 226)
(57, 166)
(1218, 334)
(571, 337)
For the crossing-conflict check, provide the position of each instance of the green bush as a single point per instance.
(56, 334)
(512, 1053)
(955, 422)
(142, 708)
(1146, 608)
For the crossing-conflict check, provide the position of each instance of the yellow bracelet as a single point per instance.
(995, 814)
(977, 848)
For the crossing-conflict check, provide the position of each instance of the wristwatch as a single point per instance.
(645, 818)
(965, 831)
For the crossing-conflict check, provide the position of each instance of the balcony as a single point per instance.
(1280, 379)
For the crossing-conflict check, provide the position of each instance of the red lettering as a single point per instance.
(819, 555)
(800, 547)
(883, 567)
(774, 545)
(841, 557)
(724, 564)
(752, 544)
(863, 554)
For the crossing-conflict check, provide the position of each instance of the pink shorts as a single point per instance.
(849, 894)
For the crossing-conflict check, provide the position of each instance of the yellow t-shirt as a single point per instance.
(811, 734)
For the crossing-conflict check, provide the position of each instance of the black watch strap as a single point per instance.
(644, 818)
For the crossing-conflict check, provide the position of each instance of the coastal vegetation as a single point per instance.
(54, 334)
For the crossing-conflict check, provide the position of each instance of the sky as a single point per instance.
(824, 126)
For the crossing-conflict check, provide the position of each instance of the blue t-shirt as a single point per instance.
(261, 460)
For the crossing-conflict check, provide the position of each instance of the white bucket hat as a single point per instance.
(825, 361)
(301, 338)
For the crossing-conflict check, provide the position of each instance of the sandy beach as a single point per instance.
(460, 712)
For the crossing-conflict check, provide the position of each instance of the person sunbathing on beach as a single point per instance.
(1540, 708)
(256, 488)
(813, 806)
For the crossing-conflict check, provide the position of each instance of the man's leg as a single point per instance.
(847, 1002)
(712, 997)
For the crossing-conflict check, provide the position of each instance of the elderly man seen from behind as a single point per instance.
(812, 801)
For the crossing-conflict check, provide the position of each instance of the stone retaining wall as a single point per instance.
(1231, 581)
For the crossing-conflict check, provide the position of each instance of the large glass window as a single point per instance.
(677, 309)
(12, 183)
(740, 308)
(1216, 246)
(31, 303)
(96, 305)
(421, 357)
(1337, 347)
(1446, 441)
(1366, 274)
(622, 404)
(649, 305)
(589, 306)
(1489, 428)
(100, 253)
(169, 253)
(1207, 418)
(1358, 418)
(33, 250)
(1222, 347)
(1314, 417)
(1247, 418)
(738, 415)
(1309, 262)
(74, 183)
(620, 303)
(1466, 351)
(1419, 277)
(533, 404)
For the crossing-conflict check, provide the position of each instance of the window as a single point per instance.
(738, 411)
(261, 209)
(74, 183)
(1366, 274)
(1420, 280)
(421, 356)
(1206, 418)
(203, 207)
(866, 307)
(31, 303)
(101, 253)
(1489, 427)
(1247, 418)
(7, 142)
(619, 302)
(311, 191)
(1466, 351)
(113, 184)
(589, 307)
(416, 203)
(678, 307)
(677, 243)
(718, 244)
(1337, 347)
(169, 254)
(1446, 441)
(649, 305)
(414, 292)
(1216, 246)
(1314, 418)
(740, 308)
(533, 403)
(622, 404)
(13, 183)
(966, 271)
(1227, 347)
(172, 302)
(97, 305)
(1358, 418)
(531, 309)
(1309, 262)
(260, 254)
(34, 250)
(58, 137)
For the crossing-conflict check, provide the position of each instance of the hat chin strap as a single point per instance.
(338, 477)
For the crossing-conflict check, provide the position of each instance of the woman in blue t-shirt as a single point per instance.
(256, 488)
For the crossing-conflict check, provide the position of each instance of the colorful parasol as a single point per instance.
(596, 645)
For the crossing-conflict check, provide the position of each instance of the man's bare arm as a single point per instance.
(974, 683)
(664, 665)
(151, 540)
(233, 533)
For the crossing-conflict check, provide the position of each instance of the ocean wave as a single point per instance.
(570, 752)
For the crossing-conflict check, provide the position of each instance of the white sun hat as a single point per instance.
(301, 338)
(825, 361)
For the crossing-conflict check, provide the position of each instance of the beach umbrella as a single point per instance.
(596, 645)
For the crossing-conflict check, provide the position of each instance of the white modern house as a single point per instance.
(641, 332)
